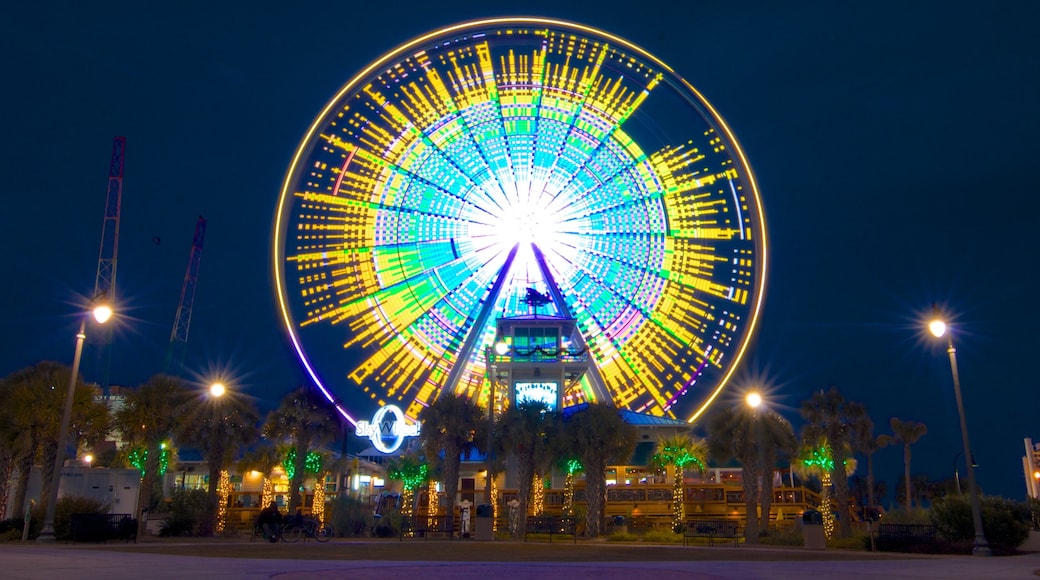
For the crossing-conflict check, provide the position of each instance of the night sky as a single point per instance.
(892, 142)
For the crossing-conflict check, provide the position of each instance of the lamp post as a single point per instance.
(101, 314)
(937, 326)
(956, 475)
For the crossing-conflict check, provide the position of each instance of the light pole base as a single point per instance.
(981, 550)
(46, 535)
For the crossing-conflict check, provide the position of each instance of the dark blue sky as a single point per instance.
(894, 144)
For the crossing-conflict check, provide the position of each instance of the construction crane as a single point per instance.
(105, 283)
(181, 322)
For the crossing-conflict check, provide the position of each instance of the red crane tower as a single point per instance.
(181, 322)
(105, 284)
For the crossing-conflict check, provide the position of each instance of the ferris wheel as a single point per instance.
(484, 161)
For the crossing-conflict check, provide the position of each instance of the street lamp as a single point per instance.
(754, 399)
(102, 313)
(956, 474)
(938, 328)
(217, 389)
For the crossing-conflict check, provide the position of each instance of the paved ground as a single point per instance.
(59, 561)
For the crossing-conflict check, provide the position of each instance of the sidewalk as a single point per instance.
(31, 561)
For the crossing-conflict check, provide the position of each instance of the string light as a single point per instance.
(266, 493)
(138, 457)
(572, 467)
(494, 505)
(223, 493)
(318, 509)
(538, 485)
(411, 475)
(678, 458)
(431, 511)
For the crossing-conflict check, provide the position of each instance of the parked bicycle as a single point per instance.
(307, 527)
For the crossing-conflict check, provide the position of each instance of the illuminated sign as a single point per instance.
(541, 392)
(387, 434)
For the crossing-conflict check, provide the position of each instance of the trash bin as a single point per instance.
(620, 525)
(484, 523)
(812, 530)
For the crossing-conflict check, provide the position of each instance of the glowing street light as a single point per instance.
(217, 389)
(753, 399)
(101, 313)
(938, 328)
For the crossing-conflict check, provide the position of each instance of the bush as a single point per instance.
(63, 511)
(783, 536)
(917, 516)
(662, 537)
(389, 525)
(189, 512)
(853, 542)
(351, 517)
(73, 505)
(1006, 523)
(11, 529)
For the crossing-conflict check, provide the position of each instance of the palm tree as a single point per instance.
(151, 414)
(597, 434)
(263, 458)
(412, 472)
(676, 453)
(830, 417)
(776, 440)
(524, 434)
(8, 438)
(219, 427)
(867, 443)
(307, 423)
(907, 433)
(756, 439)
(451, 427)
(35, 398)
(816, 459)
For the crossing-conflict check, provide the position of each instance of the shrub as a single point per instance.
(662, 537)
(11, 529)
(1006, 523)
(389, 525)
(189, 510)
(351, 517)
(73, 505)
(917, 516)
(63, 511)
(852, 542)
(783, 536)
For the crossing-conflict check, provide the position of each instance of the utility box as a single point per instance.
(812, 530)
(484, 523)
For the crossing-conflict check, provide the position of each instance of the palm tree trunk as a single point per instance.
(6, 467)
(144, 495)
(751, 488)
(766, 501)
(906, 476)
(523, 492)
(49, 477)
(595, 493)
(299, 472)
(211, 500)
(870, 479)
(841, 493)
(24, 470)
(678, 498)
(451, 485)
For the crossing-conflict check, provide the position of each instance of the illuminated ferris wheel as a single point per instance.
(486, 161)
